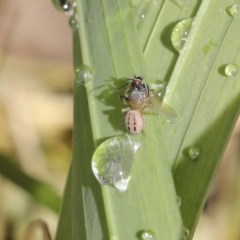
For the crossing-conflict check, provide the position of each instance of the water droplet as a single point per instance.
(89, 20)
(112, 161)
(68, 6)
(179, 201)
(154, 169)
(231, 70)
(193, 152)
(233, 10)
(142, 15)
(73, 22)
(65, 6)
(146, 235)
(143, 11)
(186, 233)
(180, 33)
(83, 75)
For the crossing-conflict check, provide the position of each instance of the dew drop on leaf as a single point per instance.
(233, 10)
(193, 152)
(83, 75)
(141, 17)
(112, 161)
(179, 201)
(231, 70)
(186, 233)
(68, 6)
(65, 6)
(73, 22)
(180, 33)
(146, 235)
(153, 169)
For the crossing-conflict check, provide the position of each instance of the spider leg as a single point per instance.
(123, 98)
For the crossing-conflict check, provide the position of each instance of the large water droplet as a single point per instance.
(83, 75)
(112, 161)
(233, 10)
(180, 33)
(193, 152)
(231, 70)
(146, 235)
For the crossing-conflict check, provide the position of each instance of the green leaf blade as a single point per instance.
(150, 198)
(209, 110)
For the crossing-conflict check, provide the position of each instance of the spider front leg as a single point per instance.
(125, 95)
(124, 99)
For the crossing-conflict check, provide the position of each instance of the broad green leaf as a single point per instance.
(206, 101)
(107, 46)
(115, 40)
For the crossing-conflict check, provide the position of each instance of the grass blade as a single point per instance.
(209, 110)
(108, 45)
(39, 190)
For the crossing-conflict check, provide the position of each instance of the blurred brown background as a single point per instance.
(35, 106)
(36, 122)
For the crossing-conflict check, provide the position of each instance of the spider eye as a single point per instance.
(139, 78)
